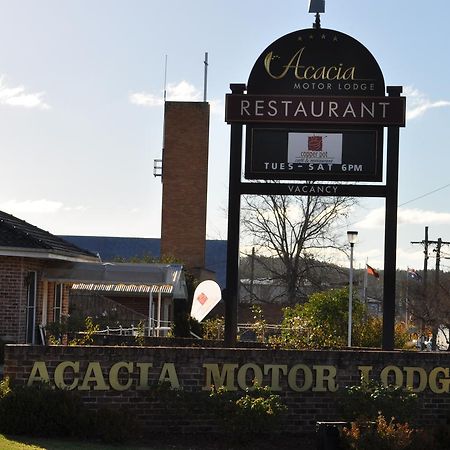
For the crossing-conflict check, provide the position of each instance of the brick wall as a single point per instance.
(308, 401)
(185, 177)
(13, 296)
(51, 292)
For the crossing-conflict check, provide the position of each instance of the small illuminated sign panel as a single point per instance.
(279, 153)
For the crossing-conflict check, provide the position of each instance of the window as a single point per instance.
(31, 281)
(58, 301)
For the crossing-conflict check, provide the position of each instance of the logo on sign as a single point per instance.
(202, 298)
(315, 143)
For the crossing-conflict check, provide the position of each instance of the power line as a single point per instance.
(425, 195)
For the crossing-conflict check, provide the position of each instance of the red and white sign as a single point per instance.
(315, 148)
(206, 296)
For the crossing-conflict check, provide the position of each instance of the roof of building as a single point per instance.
(19, 238)
(119, 277)
(110, 248)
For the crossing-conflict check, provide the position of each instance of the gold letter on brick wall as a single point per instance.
(114, 376)
(275, 378)
(97, 377)
(443, 386)
(321, 378)
(365, 372)
(143, 376)
(168, 373)
(59, 375)
(398, 376)
(242, 375)
(410, 378)
(292, 378)
(38, 373)
(218, 379)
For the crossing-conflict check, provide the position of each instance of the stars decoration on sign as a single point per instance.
(313, 36)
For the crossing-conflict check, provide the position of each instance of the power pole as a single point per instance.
(438, 260)
(425, 260)
(434, 302)
(425, 244)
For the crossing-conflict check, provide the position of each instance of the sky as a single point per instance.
(81, 110)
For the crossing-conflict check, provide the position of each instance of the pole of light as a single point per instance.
(351, 236)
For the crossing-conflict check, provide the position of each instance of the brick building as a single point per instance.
(39, 272)
(26, 298)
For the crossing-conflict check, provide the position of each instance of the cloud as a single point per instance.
(418, 103)
(183, 91)
(412, 216)
(420, 216)
(144, 99)
(17, 96)
(42, 206)
(180, 92)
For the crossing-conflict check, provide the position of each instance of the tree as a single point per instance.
(323, 322)
(296, 230)
(429, 306)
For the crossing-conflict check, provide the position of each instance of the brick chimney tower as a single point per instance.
(185, 180)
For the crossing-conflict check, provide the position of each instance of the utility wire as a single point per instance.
(425, 195)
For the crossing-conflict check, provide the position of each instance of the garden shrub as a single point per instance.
(39, 410)
(214, 329)
(372, 398)
(381, 435)
(114, 425)
(244, 416)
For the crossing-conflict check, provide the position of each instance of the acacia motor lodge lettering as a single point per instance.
(308, 109)
(299, 377)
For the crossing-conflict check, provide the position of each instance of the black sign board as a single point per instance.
(316, 62)
(314, 109)
(308, 154)
(384, 111)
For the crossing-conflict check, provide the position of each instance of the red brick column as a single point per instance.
(185, 178)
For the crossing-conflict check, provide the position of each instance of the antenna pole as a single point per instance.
(316, 25)
(205, 80)
(165, 79)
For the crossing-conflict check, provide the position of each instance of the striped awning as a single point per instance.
(120, 278)
(123, 288)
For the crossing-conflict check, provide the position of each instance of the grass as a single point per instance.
(24, 443)
(171, 442)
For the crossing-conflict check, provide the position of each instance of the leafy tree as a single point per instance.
(323, 322)
(298, 231)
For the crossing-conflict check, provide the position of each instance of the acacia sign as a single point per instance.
(315, 109)
(316, 62)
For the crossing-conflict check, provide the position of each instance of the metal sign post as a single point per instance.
(231, 294)
(390, 230)
(315, 110)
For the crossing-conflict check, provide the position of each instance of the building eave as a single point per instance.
(45, 254)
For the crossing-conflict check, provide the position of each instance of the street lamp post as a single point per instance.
(351, 236)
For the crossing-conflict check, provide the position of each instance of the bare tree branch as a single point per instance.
(293, 229)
